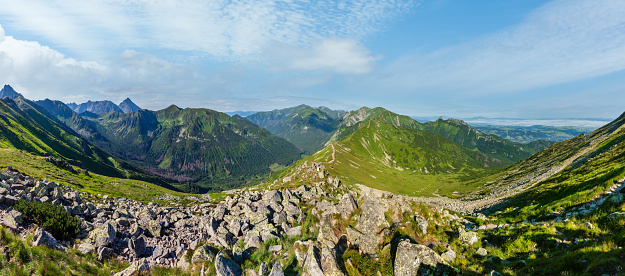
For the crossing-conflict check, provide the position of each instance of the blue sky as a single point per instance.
(456, 58)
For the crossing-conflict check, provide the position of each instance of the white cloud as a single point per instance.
(335, 55)
(1, 34)
(560, 42)
(221, 29)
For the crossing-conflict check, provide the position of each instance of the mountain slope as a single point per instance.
(527, 134)
(208, 149)
(496, 147)
(72, 119)
(307, 127)
(127, 106)
(566, 174)
(27, 126)
(387, 151)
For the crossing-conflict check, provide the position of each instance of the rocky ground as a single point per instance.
(227, 231)
(318, 222)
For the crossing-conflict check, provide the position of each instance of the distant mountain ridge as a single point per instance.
(307, 127)
(101, 107)
(202, 148)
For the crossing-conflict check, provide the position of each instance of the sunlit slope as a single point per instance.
(494, 146)
(402, 160)
(27, 126)
(205, 149)
(570, 172)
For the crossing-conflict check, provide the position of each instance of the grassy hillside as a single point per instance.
(496, 147)
(307, 127)
(588, 165)
(387, 151)
(27, 126)
(206, 149)
(527, 134)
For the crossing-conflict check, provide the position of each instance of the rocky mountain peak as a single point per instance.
(128, 106)
(8, 91)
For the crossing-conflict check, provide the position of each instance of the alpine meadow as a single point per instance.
(344, 138)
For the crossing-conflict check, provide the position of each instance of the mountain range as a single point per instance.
(101, 107)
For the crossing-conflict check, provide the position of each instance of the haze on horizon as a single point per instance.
(500, 59)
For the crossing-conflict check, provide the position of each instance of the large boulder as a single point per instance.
(13, 219)
(312, 263)
(42, 237)
(272, 196)
(203, 254)
(226, 267)
(330, 262)
(366, 232)
(137, 246)
(415, 259)
(135, 268)
(347, 205)
(104, 235)
(276, 270)
(155, 228)
(468, 237)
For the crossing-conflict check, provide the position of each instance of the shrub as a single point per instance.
(53, 218)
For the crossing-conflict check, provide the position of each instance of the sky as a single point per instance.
(455, 58)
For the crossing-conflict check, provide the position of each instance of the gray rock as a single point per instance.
(329, 262)
(42, 237)
(468, 237)
(422, 224)
(276, 270)
(104, 235)
(410, 257)
(104, 253)
(226, 267)
(203, 254)
(312, 263)
(616, 215)
(135, 230)
(347, 205)
(252, 240)
(13, 219)
(137, 246)
(482, 252)
(449, 256)
(155, 228)
(10, 200)
(275, 248)
(135, 268)
(272, 196)
(369, 223)
(182, 261)
(263, 270)
(294, 231)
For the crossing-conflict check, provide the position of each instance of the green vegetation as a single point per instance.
(201, 148)
(307, 127)
(527, 134)
(491, 145)
(36, 166)
(53, 218)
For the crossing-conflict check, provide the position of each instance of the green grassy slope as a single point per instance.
(307, 127)
(386, 151)
(523, 134)
(207, 149)
(496, 147)
(591, 164)
(27, 126)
